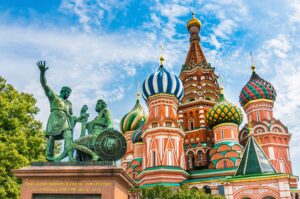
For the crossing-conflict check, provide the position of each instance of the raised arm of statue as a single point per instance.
(43, 69)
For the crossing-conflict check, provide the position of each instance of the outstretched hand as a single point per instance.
(42, 66)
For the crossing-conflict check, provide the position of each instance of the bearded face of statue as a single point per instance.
(65, 92)
(100, 105)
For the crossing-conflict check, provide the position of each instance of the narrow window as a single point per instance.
(153, 159)
(156, 111)
(258, 116)
(191, 125)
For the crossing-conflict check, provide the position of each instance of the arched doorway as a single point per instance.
(268, 197)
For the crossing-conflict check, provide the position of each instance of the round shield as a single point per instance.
(110, 145)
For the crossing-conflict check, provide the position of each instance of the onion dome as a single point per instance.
(224, 112)
(132, 120)
(162, 82)
(136, 136)
(193, 22)
(257, 88)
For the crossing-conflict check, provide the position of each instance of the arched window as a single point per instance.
(207, 189)
(154, 124)
(168, 124)
(221, 190)
(191, 159)
(200, 155)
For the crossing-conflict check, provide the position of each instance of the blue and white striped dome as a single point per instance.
(162, 82)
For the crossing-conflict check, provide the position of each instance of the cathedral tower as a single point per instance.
(201, 92)
(163, 156)
(257, 99)
(131, 125)
(224, 118)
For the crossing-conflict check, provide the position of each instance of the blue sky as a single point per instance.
(102, 49)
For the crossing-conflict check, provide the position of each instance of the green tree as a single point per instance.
(21, 136)
(184, 192)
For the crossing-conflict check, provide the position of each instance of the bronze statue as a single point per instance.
(61, 120)
(101, 143)
(102, 121)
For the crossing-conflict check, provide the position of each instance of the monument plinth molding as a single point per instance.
(41, 182)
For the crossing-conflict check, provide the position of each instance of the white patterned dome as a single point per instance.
(162, 82)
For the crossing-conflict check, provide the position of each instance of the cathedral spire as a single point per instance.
(195, 55)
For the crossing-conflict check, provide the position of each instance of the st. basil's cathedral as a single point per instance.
(192, 134)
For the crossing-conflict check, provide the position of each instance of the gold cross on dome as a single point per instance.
(161, 58)
(252, 63)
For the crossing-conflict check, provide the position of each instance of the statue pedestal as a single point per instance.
(76, 182)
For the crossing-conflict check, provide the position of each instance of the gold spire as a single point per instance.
(252, 64)
(138, 92)
(161, 57)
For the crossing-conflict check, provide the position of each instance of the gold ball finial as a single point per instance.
(138, 92)
(193, 22)
(161, 57)
(253, 67)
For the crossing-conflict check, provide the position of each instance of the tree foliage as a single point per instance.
(21, 136)
(184, 192)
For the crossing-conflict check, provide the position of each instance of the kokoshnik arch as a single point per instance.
(191, 133)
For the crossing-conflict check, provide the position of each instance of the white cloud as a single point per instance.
(93, 65)
(279, 46)
(91, 13)
(294, 15)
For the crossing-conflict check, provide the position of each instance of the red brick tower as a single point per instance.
(257, 98)
(201, 92)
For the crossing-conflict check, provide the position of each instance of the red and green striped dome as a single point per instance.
(257, 88)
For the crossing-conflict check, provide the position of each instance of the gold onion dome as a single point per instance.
(135, 118)
(224, 112)
(193, 22)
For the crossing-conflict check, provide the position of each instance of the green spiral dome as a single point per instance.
(132, 120)
(224, 112)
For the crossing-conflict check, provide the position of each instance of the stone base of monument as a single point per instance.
(67, 181)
